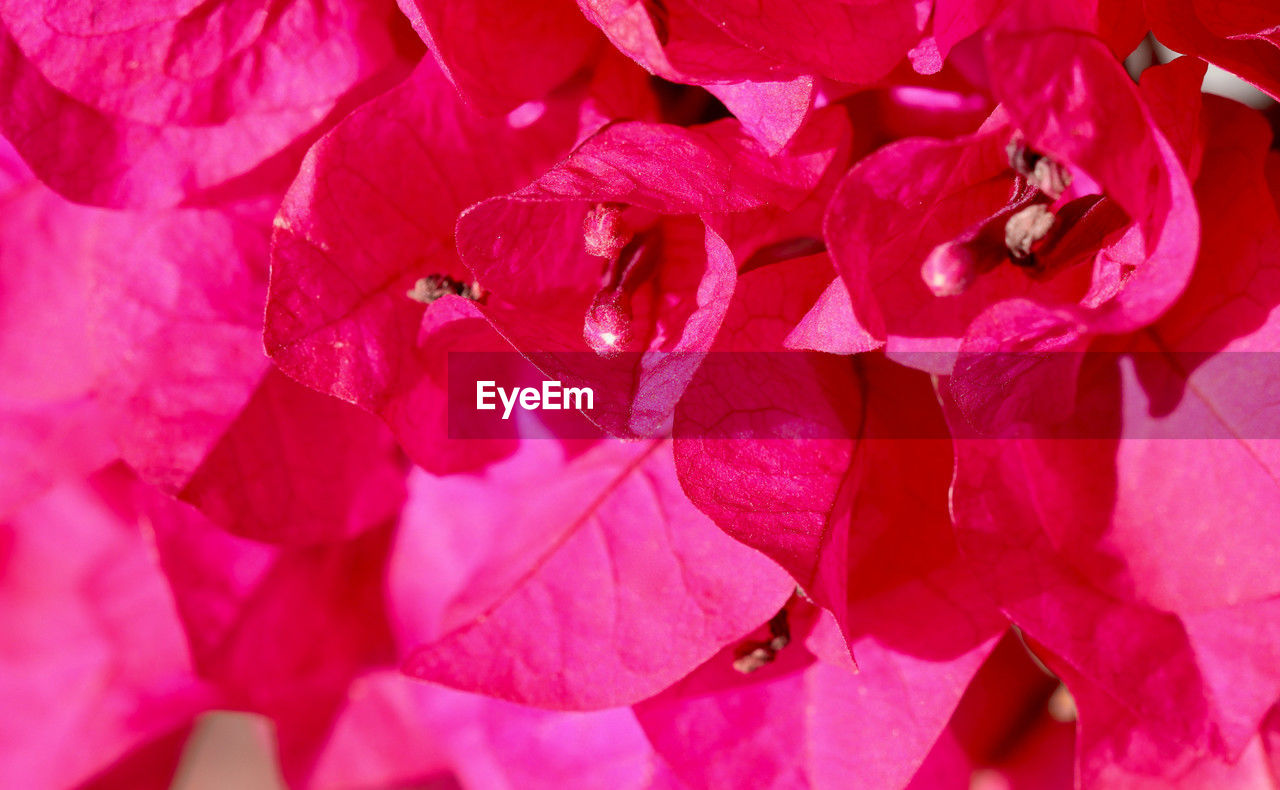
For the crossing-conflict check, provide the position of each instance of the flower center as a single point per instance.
(1035, 231)
(1040, 171)
(1025, 229)
(432, 287)
(752, 655)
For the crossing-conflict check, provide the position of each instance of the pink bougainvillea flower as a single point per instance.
(801, 722)
(394, 731)
(1241, 37)
(365, 238)
(621, 249)
(144, 104)
(574, 582)
(502, 53)
(94, 661)
(1078, 205)
(1104, 531)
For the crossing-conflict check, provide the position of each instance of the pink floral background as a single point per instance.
(240, 240)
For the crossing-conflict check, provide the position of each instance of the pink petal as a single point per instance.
(299, 467)
(830, 325)
(803, 457)
(1115, 750)
(674, 40)
(847, 42)
(1243, 38)
(280, 632)
(394, 730)
(174, 318)
(52, 426)
(94, 659)
(1163, 667)
(590, 582)
(800, 723)
(502, 53)
(771, 112)
(135, 106)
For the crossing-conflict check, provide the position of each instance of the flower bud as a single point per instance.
(604, 234)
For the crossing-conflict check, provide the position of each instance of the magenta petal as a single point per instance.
(174, 319)
(801, 723)
(52, 425)
(894, 692)
(396, 731)
(1243, 38)
(675, 41)
(780, 495)
(94, 662)
(299, 467)
(830, 325)
(1164, 667)
(502, 53)
(1116, 750)
(771, 112)
(807, 462)
(281, 632)
(138, 326)
(586, 584)
(857, 43)
(46, 443)
(135, 105)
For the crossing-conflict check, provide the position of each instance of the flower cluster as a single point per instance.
(935, 342)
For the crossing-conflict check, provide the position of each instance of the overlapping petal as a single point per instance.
(95, 664)
(625, 239)
(147, 104)
(920, 230)
(371, 214)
